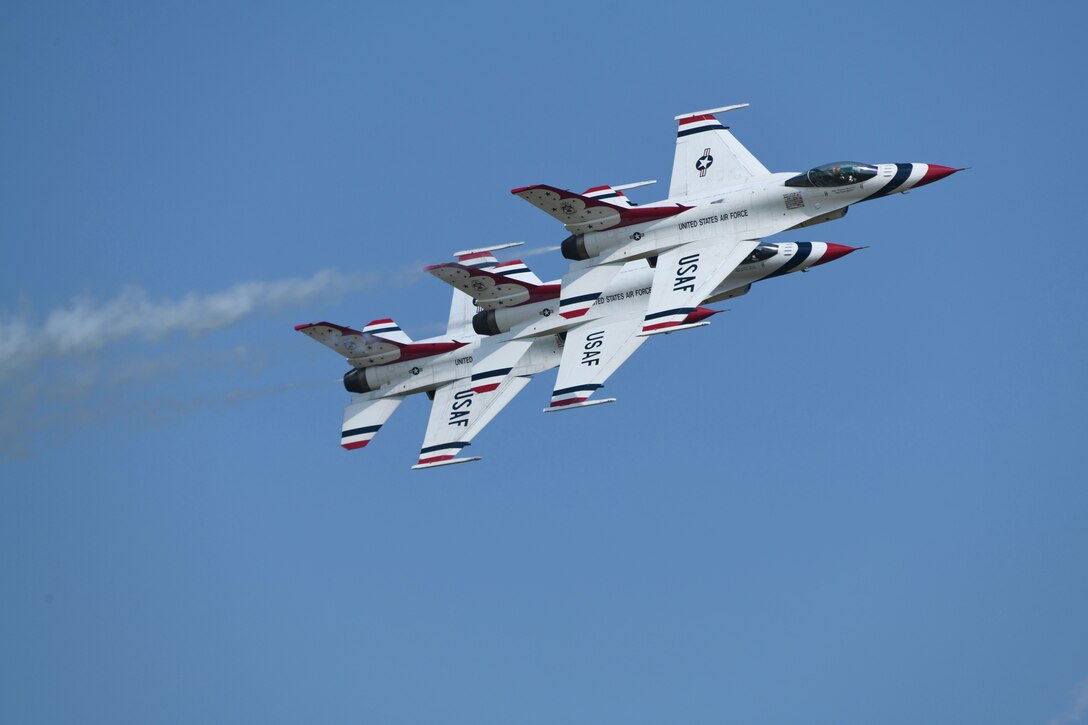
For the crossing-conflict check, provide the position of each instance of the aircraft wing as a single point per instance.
(458, 414)
(685, 276)
(495, 360)
(363, 419)
(591, 353)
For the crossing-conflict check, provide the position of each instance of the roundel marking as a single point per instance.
(703, 162)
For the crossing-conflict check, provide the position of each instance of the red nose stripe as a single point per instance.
(835, 251)
(936, 172)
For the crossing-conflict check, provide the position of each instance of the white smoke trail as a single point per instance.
(534, 251)
(86, 326)
(124, 386)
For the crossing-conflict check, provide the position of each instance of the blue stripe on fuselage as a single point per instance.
(902, 173)
(804, 249)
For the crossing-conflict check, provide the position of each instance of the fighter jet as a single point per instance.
(483, 361)
(387, 366)
(517, 310)
(722, 203)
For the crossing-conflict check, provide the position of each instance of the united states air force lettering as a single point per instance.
(686, 268)
(460, 409)
(591, 353)
(714, 219)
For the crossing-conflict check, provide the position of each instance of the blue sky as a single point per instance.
(859, 496)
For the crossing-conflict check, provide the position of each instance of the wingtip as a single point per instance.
(445, 462)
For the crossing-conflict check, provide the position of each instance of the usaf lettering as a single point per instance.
(459, 410)
(590, 354)
(686, 266)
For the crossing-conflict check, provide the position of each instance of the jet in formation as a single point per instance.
(637, 271)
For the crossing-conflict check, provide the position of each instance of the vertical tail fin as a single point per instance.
(386, 329)
(462, 309)
(517, 270)
(708, 157)
(614, 194)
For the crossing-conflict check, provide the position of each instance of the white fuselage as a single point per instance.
(425, 374)
(629, 291)
(756, 209)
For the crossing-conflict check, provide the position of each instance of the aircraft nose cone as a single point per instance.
(835, 251)
(935, 172)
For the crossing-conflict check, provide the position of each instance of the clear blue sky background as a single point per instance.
(858, 497)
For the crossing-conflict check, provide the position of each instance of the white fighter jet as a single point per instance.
(387, 366)
(482, 362)
(515, 310)
(722, 203)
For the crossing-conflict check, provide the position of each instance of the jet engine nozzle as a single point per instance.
(484, 323)
(574, 248)
(355, 381)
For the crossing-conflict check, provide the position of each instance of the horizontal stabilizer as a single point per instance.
(581, 214)
(491, 290)
(381, 342)
(359, 347)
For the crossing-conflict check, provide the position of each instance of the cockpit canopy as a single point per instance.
(840, 173)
